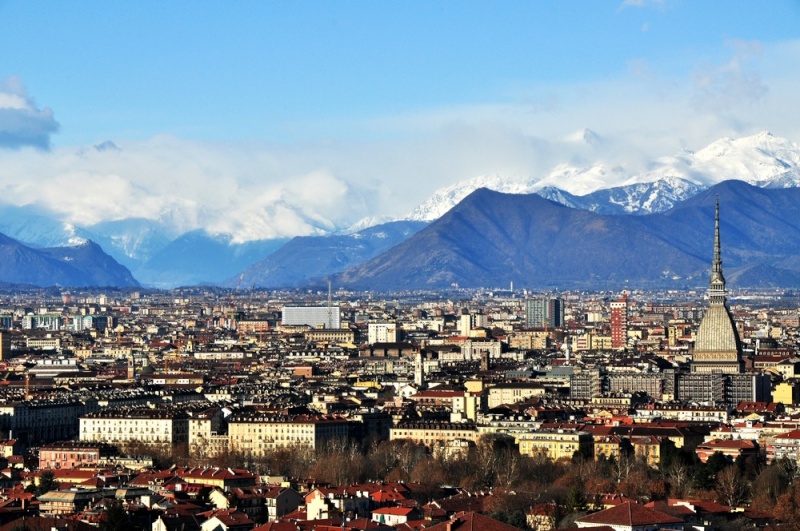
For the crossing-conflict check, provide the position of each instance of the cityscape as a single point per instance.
(272, 266)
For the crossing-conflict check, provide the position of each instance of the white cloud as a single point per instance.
(725, 87)
(257, 190)
(21, 122)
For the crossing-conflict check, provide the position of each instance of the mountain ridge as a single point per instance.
(492, 238)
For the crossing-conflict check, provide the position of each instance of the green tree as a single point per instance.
(115, 518)
(47, 482)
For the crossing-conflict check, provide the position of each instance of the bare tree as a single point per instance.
(731, 487)
(678, 475)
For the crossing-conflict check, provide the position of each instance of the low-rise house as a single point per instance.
(226, 520)
(784, 446)
(631, 516)
(732, 449)
(393, 516)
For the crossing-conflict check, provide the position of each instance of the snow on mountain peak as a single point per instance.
(761, 159)
(365, 223)
(446, 198)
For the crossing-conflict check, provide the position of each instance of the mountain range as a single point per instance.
(491, 238)
(158, 256)
(75, 266)
(762, 160)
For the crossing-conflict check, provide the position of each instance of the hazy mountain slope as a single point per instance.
(82, 265)
(312, 258)
(198, 257)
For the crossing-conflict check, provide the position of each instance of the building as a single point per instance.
(71, 454)
(718, 348)
(544, 313)
(627, 382)
(555, 444)
(630, 516)
(784, 446)
(512, 392)
(720, 387)
(313, 316)
(619, 323)
(162, 427)
(432, 433)
(330, 335)
(5, 345)
(732, 449)
(381, 333)
(586, 384)
(257, 433)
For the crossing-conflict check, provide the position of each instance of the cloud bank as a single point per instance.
(22, 124)
(389, 164)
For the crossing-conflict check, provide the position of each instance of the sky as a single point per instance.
(271, 119)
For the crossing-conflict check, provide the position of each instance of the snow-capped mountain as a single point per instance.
(446, 198)
(762, 160)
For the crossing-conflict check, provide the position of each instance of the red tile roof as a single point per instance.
(629, 514)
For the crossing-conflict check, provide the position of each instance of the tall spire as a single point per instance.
(717, 284)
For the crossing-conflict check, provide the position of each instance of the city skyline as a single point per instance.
(276, 120)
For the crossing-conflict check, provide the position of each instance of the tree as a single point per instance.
(115, 518)
(678, 476)
(731, 486)
(576, 500)
(47, 482)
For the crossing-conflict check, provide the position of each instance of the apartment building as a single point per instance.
(257, 433)
(163, 426)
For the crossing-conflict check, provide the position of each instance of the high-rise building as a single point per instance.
(619, 322)
(464, 325)
(544, 313)
(313, 316)
(718, 348)
(5, 345)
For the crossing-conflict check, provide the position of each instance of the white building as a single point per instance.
(313, 316)
(382, 333)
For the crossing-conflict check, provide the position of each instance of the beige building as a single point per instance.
(257, 433)
(330, 335)
(432, 433)
(205, 439)
(556, 444)
(786, 393)
(512, 392)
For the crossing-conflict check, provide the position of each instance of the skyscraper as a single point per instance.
(619, 322)
(718, 347)
(544, 313)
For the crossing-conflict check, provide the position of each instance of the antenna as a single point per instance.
(330, 305)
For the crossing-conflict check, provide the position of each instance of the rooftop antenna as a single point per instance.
(330, 305)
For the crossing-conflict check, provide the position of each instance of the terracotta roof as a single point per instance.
(629, 514)
(471, 521)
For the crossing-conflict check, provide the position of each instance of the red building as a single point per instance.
(619, 322)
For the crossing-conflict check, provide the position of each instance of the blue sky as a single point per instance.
(373, 104)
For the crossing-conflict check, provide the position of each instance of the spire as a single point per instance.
(717, 283)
